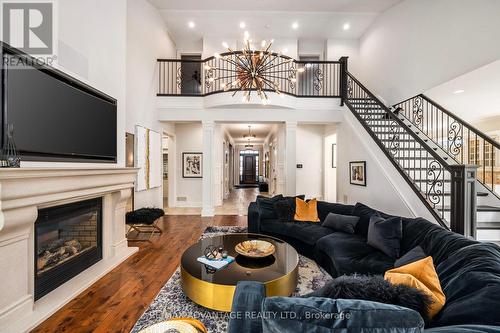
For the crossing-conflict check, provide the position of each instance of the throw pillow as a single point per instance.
(266, 206)
(284, 210)
(306, 211)
(340, 222)
(385, 235)
(375, 288)
(365, 213)
(413, 255)
(421, 275)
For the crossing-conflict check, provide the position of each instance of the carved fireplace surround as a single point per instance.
(22, 193)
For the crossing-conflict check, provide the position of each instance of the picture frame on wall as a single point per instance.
(192, 165)
(357, 173)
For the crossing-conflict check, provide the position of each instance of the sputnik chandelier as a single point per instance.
(250, 70)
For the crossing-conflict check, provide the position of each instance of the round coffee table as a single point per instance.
(215, 289)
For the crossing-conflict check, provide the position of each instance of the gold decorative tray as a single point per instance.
(255, 248)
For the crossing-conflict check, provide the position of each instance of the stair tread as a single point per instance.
(488, 225)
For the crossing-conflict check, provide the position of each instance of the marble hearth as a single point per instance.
(22, 193)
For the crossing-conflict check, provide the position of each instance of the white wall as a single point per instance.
(147, 40)
(310, 151)
(336, 48)
(330, 173)
(188, 138)
(419, 44)
(386, 190)
(312, 47)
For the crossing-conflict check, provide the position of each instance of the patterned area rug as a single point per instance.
(171, 302)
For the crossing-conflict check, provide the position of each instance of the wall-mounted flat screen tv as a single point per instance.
(56, 117)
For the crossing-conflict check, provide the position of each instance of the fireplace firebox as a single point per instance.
(68, 240)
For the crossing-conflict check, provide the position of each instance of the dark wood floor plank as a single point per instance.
(118, 299)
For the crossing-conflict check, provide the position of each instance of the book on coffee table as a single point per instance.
(217, 263)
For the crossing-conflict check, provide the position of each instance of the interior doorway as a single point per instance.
(249, 167)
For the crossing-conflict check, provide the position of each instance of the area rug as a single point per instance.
(171, 302)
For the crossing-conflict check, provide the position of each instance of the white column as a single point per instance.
(208, 169)
(291, 157)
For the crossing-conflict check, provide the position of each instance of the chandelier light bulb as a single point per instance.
(246, 34)
(263, 43)
(225, 45)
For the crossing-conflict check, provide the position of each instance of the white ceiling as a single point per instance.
(267, 19)
(236, 131)
(481, 96)
(367, 6)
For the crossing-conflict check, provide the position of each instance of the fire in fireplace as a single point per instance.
(68, 240)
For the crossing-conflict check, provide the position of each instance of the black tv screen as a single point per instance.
(57, 118)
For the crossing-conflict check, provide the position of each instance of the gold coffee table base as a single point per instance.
(220, 297)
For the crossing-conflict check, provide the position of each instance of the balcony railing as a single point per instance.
(179, 77)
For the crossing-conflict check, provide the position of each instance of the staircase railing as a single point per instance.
(463, 142)
(430, 176)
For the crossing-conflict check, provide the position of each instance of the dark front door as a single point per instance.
(249, 170)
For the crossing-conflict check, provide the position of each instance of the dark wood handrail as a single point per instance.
(434, 154)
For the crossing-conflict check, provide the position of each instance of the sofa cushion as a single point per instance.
(365, 213)
(470, 278)
(266, 206)
(284, 210)
(322, 315)
(385, 235)
(421, 275)
(339, 222)
(307, 232)
(324, 208)
(350, 254)
(413, 255)
(306, 211)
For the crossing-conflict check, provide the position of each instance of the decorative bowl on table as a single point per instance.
(182, 325)
(255, 248)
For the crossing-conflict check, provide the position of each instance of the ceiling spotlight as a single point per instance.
(267, 26)
(191, 24)
(242, 25)
(459, 91)
(346, 26)
(295, 25)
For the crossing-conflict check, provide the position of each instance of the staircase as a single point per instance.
(447, 188)
(463, 144)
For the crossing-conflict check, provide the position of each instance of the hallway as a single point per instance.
(236, 204)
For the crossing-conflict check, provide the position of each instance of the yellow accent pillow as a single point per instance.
(306, 211)
(422, 275)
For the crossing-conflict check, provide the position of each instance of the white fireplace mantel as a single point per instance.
(25, 190)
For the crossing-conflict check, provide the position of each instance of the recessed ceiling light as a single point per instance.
(191, 24)
(346, 26)
(268, 26)
(243, 25)
(295, 25)
(459, 91)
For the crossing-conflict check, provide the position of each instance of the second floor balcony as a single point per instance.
(226, 73)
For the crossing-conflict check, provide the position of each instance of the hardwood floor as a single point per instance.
(117, 300)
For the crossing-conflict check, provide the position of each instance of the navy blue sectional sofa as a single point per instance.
(469, 272)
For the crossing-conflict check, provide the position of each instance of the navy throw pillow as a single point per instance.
(365, 213)
(340, 222)
(284, 210)
(385, 235)
(266, 207)
(325, 208)
(413, 255)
